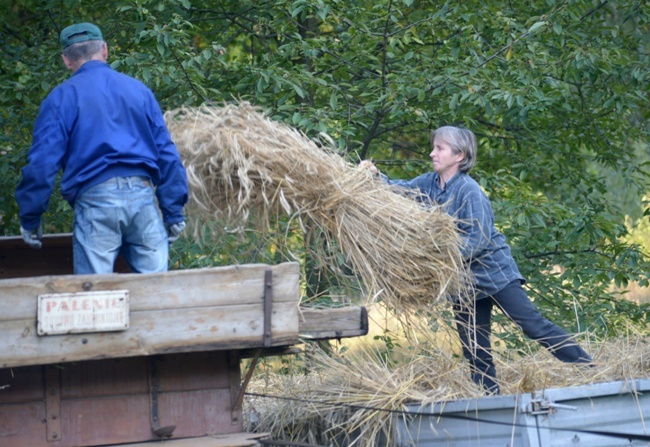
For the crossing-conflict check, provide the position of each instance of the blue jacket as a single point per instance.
(484, 248)
(97, 125)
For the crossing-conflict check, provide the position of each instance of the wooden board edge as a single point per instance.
(218, 346)
(324, 324)
(286, 268)
(20, 296)
(229, 440)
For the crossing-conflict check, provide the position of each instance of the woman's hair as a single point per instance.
(461, 141)
(83, 51)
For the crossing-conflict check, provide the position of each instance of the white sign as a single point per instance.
(68, 313)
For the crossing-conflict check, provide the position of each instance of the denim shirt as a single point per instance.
(97, 125)
(484, 248)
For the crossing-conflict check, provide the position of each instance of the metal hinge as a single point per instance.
(545, 406)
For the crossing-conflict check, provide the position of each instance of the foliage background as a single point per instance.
(556, 91)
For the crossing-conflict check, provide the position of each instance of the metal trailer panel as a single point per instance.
(549, 418)
(622, 407)
(453, 424)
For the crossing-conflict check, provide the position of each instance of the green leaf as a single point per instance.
(146, 75)
(536, 26)
(298, 90)
(333, 100)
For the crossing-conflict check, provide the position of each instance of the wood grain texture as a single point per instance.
(237, 284)
(105, 402)
(17, 260)
(179, 311)
(233, 440)
(318, 324)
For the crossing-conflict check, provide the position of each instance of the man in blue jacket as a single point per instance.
(106, 131)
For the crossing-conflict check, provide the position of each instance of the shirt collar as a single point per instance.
(90, 65)
(449, 183)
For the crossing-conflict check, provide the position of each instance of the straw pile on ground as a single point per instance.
(241, 165)
(356, 392)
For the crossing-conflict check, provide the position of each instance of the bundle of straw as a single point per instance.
(240, 163)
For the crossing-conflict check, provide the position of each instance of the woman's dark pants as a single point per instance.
(474, 327)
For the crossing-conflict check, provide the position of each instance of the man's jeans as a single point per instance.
(119, 215)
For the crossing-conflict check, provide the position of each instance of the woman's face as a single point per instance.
(445, 161)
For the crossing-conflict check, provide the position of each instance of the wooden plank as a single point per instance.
(23, 384)
(178, 311)
(21, 425)
(198, 412)
(153, 332)
(237, 284)
(317, 324)
(269, 352)
(104, 378)
(105, 420)
(194, 331)
(17, 260)
(232, 440)
(181, 330)
(193, 371)
(109, 401)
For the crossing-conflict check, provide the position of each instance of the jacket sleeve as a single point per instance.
(421, 185)
(44, 161)
(172, 191)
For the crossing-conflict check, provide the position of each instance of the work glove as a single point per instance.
(174, 230)
(32, 237)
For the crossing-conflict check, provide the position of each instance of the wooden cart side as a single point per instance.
(172, 370)
(180, 311)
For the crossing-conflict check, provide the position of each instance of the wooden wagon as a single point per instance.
(90, 360)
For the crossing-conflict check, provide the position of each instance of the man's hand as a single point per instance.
(32, 237)
(174, 230)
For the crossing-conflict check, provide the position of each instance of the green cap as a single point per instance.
(80, 32)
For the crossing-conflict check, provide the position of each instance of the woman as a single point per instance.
(497, 278)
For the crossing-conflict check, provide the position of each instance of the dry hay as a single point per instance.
(335, 397)
(241, 164)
